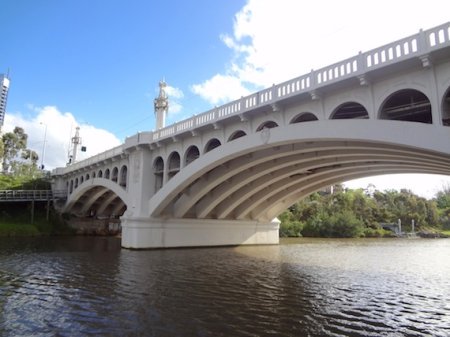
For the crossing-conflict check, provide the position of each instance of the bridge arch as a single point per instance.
(123, 176)
(410, 105)
(350, 110)
(267, 125)
(158, 171)
(174, 164)
(445, 108)
(102, 196)
(115, 174)
(304, 117)
(236, 134)
(212, 144)
(255, 180)
(191, 154)
(107, 173)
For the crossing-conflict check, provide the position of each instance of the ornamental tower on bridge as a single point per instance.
(161, 106)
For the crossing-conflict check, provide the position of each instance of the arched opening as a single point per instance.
(93, 175)
(158, 170)
(446, 109)
(407, 105)
(236, 135)
(88, 176)
(350, 110)
(115, 174)
(267, 125)
(100, 174)
(81, 179)
(192, 153)
(107, 174)
(304, 117)
(174, 164)
(71, 187)
(212, 144)
(76, 183)
(123, 176)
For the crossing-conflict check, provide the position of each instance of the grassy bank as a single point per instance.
(15, 220)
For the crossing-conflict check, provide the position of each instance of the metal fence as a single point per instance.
(31, 195)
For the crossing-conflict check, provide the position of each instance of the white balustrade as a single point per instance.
(412, 46)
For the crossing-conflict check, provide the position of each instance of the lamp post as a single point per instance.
(43, 146)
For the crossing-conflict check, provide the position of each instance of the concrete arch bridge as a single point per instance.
(221, 177)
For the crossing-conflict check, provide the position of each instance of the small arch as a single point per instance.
(174, 164)
(100, 174)
(71, 187)
(350, 110)
(81, 180)
(115, 174)
(76, 183)
(107, 173)
(192, 154)
(158, 170)
(446, 109)
(236, 135)
(267, 125)
(407, 105)
(123, 176)
(87, 176)
(94, 175)
(212, 144)
(304, 117)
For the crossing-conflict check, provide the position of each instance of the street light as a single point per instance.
(43, 146)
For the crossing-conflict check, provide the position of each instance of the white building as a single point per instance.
(4, 87)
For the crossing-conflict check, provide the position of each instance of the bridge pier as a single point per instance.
(145, 233)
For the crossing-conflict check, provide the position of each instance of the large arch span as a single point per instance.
(263, 174)
(100, 196)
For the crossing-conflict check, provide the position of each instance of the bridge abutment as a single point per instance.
(145, 233)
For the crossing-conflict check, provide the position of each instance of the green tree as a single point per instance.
(13, 144)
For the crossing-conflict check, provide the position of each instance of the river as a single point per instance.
(86, 286)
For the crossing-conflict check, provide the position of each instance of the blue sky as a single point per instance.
(96, 63)
(102, 60)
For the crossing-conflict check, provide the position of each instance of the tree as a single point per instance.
(14, 143)
(17, 160)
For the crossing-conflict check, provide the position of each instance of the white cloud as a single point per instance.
(174, 92)
(57, 128)
(431, 185)
(274, 41)
(220, 88)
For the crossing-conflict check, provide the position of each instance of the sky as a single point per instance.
(96, 64)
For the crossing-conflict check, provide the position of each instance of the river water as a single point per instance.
(84, 286)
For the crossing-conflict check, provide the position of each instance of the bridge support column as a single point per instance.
(145, 233)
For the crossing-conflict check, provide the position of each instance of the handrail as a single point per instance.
(414, 46)
(30, 195)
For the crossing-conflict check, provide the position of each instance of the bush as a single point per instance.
(291, 229)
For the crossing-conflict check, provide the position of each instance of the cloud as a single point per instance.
(56, 128)
(220, 88)
(274, 41)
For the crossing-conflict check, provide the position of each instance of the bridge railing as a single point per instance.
(416, 45)
(30, 195)
(116, 151)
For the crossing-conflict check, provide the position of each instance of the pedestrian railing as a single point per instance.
(31, 195)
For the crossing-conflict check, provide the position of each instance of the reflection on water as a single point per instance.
(89, 286)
